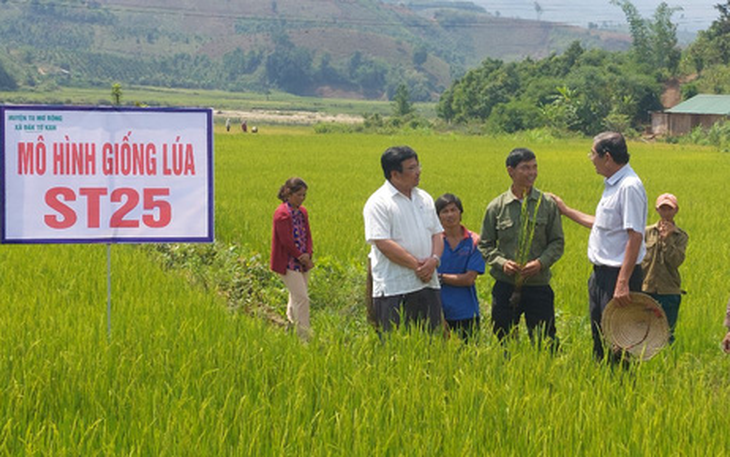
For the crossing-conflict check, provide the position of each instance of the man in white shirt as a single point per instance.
(404, 232)
(616, 244)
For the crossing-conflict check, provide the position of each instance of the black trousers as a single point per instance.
(466, 329)
(419, 306)
(601, 285)
(537, 303)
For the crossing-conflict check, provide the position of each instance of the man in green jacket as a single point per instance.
(522, 237)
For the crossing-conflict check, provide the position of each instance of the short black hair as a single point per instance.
(393, 158)
(614, 143)
(519, 155)
(445, 200)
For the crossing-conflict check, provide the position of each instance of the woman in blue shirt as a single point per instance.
(461, 263)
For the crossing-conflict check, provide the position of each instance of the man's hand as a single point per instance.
(621, 293)
(511, 267)
(558, 201)
(426, 268)
(666, 228)
(531, 268)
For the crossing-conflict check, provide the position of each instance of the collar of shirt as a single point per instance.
(292, 209)
(619, 175)
(395, 192)
(533, 195)
(464, 233)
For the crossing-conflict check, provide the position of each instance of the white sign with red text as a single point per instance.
(98, 175)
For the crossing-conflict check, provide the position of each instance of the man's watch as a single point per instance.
(438, 260)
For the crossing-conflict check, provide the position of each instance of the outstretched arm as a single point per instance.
(586, 220)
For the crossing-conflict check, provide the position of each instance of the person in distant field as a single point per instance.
(666, 245)
(522, 288)
(244, 126)
(228, 124)
(726, 340)
(616, 243)
(461, 263)
(406, 243)
(291, 252)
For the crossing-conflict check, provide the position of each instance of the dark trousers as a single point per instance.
(466, 329)
(670, 305)
(537, 303)
(422, 305)
(601, 285)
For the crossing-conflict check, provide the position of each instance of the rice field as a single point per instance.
(183, 375)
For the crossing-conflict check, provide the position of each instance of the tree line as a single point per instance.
(591, 90)
(581, 90)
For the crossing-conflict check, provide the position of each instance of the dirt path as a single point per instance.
(287, 117)
(672, 94)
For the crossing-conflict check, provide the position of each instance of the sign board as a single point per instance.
(106, 174)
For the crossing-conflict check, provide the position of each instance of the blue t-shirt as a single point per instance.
(461, 302)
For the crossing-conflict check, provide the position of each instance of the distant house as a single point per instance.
(703, 110)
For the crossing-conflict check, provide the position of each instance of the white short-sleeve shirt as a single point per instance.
(410, 222)
(623, 206)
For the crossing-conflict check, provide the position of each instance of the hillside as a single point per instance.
(346, 48)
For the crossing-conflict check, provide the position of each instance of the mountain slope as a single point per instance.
(356, 48)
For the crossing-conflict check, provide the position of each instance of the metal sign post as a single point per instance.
(109, 291)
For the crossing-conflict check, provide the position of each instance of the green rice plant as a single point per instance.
(184, 374)
(527, 229)
(524, 244)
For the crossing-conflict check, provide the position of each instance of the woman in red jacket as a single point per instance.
(291, 252)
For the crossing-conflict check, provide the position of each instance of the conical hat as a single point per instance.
(639, 328)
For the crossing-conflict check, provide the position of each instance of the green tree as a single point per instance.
(116, 94)
(576, 91)
(638, 28)
(289, 67)
(475, 95)
(7, 82)
(712, 46)
(420, 55)
(445, 106)
(561, 114)
(663, 39)
(654, 42)
(402, 105)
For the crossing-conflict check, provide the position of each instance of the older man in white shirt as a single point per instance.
(616, 244)
(404, 232)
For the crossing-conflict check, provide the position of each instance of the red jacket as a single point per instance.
(282, 238)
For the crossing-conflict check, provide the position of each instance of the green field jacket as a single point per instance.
(662, 261)
(500, 235)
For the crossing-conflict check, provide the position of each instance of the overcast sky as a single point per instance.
(695, 15)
